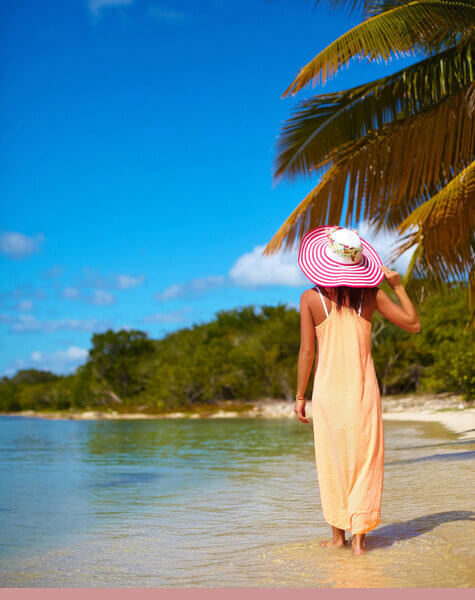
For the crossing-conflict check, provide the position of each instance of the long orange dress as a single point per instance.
(347, 422)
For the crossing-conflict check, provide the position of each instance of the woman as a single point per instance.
(346, 402)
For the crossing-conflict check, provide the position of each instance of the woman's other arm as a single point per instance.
(306, 354)
(404, 316)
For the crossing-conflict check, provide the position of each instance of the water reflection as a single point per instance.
(126, 479)
(219, 502)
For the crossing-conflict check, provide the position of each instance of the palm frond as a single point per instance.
(367, 8)
(444, 229)
(326, 121)
(376, 7)
(421, 282)
(416, 255)
(420, 24)
(470, 99)
(388, 172)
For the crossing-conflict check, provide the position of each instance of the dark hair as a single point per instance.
(342, 294)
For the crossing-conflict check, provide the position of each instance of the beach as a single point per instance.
(451, 411)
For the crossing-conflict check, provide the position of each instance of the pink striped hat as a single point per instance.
(332, 256)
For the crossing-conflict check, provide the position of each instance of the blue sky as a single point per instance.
(137, 142)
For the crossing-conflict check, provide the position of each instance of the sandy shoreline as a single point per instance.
(450, 411)
(461, 422)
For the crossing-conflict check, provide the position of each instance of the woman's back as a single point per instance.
(345, 379)
(317, 308)
(312, 311)
(347, 419)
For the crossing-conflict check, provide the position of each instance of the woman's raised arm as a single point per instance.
(404, 316)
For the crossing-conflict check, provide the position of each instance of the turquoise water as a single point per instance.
(221, 503)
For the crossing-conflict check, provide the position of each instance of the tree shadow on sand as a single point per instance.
(388, 534)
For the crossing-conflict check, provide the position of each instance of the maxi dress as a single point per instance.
(347, 422)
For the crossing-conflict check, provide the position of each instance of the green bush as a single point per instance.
(246, 353)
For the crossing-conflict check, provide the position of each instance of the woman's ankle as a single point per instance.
(358, 539)
(338, 534)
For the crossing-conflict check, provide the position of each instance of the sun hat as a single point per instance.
(333, 256)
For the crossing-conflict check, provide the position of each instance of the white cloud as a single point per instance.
(384, 242)
(22, 292)
(54, 272)
(191, 288)
(101, 294)
(93, 279)
(21, 298)
(256, 270)
(97, 6)
(102, 298)
(25, 306)
(98, 297)
(18, 245)
(121, 281)
(71, 293)
(29, 323)
(126, 282)
(172, 292)
(61, 362)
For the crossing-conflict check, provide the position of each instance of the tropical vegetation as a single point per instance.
(244, 354)
(397, 152)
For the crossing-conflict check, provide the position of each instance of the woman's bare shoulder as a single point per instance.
(383, 302)
(307, 295)
(380, 295)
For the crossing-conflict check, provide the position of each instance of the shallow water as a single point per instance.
(221, 503)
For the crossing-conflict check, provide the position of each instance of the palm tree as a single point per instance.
(402, 145)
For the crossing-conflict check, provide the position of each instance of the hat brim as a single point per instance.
(320, 268)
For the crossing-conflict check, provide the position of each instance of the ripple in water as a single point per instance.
(221, 503)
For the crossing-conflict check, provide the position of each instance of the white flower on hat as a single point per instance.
(334, 256)
(345, 245)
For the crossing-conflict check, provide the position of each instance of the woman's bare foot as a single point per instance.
(332, 543)
(338, 540)
(358, 543)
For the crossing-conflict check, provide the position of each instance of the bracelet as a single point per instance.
(300, 399)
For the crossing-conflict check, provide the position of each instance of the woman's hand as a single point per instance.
(299, 411)
(392, 277)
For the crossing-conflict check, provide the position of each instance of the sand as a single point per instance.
(450, 411)
(461, 422)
